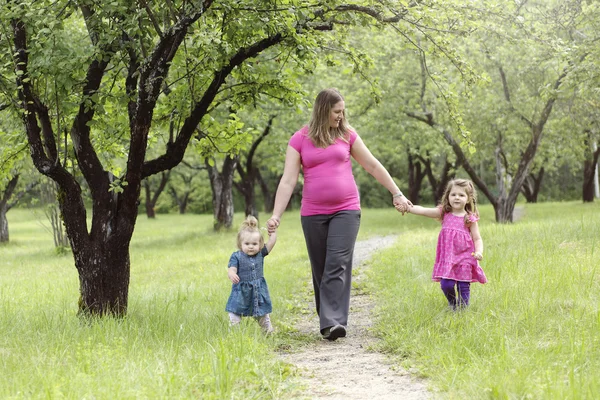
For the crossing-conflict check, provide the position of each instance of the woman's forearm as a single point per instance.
(282, 198)
(384, 178)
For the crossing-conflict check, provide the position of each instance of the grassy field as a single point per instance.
(531, 332)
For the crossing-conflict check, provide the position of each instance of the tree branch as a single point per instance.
(461, 159)
(507, 97)
(176, 150)
(8, 191)
(152, 18)
(378, 15)
(20, 195)
(266, 131)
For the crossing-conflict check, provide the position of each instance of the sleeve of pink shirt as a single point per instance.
(297, 138)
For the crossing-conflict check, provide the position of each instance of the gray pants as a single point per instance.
(330, 242)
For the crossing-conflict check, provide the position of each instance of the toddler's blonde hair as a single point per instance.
(250, 225)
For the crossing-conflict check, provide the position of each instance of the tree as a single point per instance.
(590, 166)
(48, 200)
(184, 184)
(12, 155)
(150, 198)
(249, 173)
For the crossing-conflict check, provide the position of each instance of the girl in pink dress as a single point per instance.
(459, 247)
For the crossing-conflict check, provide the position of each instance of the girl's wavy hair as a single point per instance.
(470, 207)
(319, 130)
(250, 225)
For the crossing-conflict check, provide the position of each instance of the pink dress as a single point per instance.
(453, 258)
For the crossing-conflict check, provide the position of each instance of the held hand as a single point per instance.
(478, 256)
(233, 277)
(402, 204)
(401, 208)
(272, 225)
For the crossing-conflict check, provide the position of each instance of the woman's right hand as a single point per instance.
(272, 224)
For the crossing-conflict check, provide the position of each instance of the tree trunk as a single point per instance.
(103, 279)
(250, 202)
(183, 202)
(415, 178)
(531, 186)
(437, 185)
(589, 173)
(504, 209)
(222, 192)
(246, 187)
(102, 255)
(3, 225)
(4, 207)
(249, 175)
(148, 202)
(268, 194)
(151, 200)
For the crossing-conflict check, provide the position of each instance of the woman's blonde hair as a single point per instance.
(319, 130)
(250, 225)
(470, 207)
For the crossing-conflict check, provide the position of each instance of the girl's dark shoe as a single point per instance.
(334, 332)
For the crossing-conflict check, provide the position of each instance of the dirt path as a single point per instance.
(346, 368)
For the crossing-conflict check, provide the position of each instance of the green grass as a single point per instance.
(531, 332)
(175, 341)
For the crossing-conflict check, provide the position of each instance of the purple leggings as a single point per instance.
(464, 290)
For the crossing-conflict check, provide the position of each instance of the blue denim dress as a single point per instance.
(250, 296)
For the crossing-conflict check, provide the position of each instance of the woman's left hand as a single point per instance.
(402, 204)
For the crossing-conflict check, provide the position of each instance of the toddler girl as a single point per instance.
(459, 246)
(249, 292)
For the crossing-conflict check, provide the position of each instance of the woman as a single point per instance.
(330, 210)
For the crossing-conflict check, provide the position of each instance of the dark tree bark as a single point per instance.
(531, 186)
(438, 185)
(268, 193)
(416, 174)
(152, 199)
(182, 199)
(249, 173)
(6, 204)
(222, 192)
(589, 170)
(4, 207)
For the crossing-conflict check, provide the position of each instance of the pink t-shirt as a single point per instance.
(329, 184)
